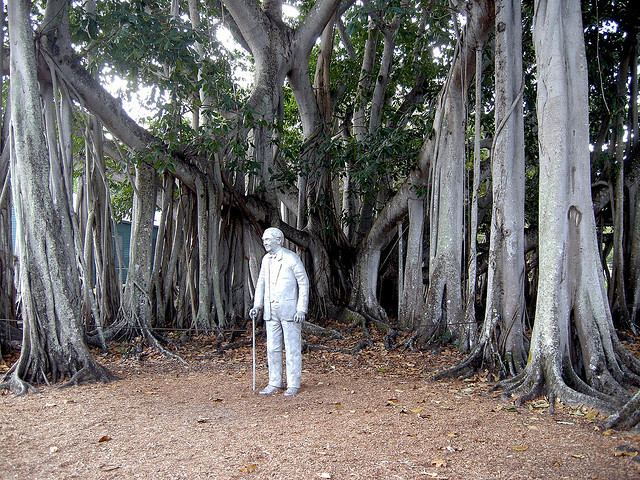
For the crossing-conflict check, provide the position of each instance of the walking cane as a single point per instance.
(253, 348)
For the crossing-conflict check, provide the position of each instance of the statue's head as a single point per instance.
(272, 239)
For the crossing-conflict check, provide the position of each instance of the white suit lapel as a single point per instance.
(278, 264)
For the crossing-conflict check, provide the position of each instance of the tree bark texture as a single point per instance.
(444, 292)
(53, 340)
(575, 355)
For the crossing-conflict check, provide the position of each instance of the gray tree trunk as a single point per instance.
(7, 286)
(137, 301)
(411, 306)
(504, 314)
(53, 341)
(444, 295)
(500, 347)
(575, 355)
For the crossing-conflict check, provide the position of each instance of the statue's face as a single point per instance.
(271, 243)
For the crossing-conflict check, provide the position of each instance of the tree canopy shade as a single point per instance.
(354, 138)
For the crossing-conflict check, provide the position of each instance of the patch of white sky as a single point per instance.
(137, 103)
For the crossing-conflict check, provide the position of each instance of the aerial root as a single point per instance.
(153, 341)
(92, 372)
(465, 368)
(361, 345)
(628, 417)
(510, 385)
(534, 392)
(18, 386)
(313, 329)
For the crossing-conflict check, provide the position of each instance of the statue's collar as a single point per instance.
(277, 255)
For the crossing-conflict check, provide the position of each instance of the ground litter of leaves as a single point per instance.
(372, 415)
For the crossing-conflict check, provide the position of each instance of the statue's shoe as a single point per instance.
(269, 389)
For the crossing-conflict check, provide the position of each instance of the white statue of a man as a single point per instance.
(282, 292)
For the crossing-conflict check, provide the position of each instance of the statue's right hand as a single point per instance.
(253, 313)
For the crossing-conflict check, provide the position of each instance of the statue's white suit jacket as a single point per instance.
(283, 286)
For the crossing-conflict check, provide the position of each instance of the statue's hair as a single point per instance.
(275, 233)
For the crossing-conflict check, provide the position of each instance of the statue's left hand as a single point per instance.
(299, 317)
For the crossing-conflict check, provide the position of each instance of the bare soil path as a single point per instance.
(374, 415)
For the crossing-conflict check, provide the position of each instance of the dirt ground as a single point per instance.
(373, 415)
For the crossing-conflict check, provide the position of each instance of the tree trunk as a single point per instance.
(137, 301)
(378, 101)
(350, 204)
(444, 295)
(203, 318)
(412, 299)
(501, 346)
(617, 147)
(575, 355)
(634, 236)
(468, 337)
(53, 342)
(7, 285)
(633, 156)
(108, 291)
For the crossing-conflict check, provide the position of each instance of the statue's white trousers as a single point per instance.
(281, 333)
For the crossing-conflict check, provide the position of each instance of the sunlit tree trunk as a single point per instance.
(575, 355)
(444, 292)
(500, 347)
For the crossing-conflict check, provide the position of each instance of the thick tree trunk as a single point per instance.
(411, 306)
(162, 254)
(444, 295)
(575, 355)
(203, 318)
(137, 301)
(53, 341)
(501, 346)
